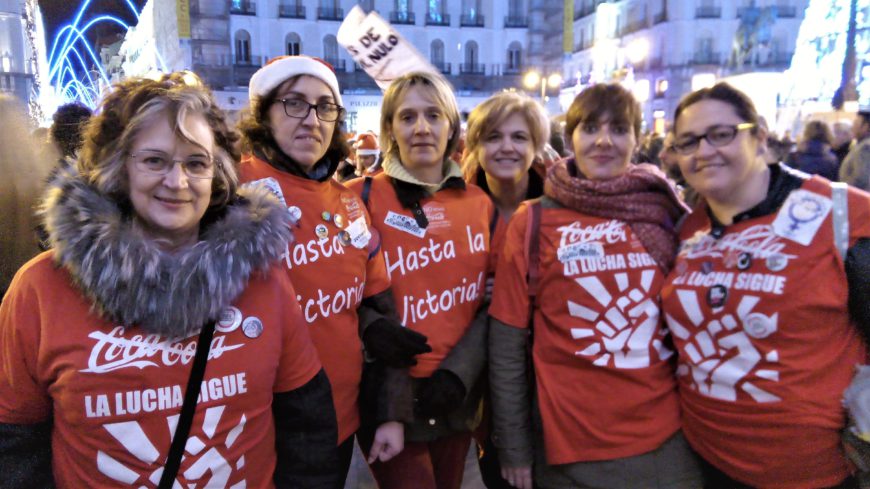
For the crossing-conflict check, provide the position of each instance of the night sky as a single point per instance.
(57, 13)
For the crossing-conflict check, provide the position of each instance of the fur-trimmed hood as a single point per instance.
(132, 281)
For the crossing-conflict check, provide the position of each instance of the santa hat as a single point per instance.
(367, 144)
(280, 69)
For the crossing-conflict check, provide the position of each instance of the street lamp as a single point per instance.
(532, 79)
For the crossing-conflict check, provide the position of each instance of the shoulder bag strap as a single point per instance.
(839, 198)
(366, 190)
(533, 258)
(185, 420)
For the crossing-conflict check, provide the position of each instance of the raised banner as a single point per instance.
(378, 48)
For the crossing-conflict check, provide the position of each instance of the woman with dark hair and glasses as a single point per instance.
(767, 303)
(159, 258)
(601, 409)
(295, 138)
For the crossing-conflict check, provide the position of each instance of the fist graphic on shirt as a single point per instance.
(626, 323)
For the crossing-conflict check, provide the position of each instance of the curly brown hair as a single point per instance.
(135, 104)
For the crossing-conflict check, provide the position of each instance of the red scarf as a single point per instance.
(642, 197)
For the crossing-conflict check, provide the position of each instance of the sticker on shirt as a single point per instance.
(801, 216)
(576, 251)
(404, 223)
(352, 206)
(358, 233)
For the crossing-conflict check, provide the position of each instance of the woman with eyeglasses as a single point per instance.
(159, 260)
(434, 231)
(579, 277)
(295, 138)
(767, 303)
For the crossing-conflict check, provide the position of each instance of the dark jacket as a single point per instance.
(816, 159)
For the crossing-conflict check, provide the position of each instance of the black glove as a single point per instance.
(394, 344)
(439, 395)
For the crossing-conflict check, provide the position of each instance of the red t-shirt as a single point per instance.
(438, 273)
(331, 274)
(115, 393)
(605, 386)
(765, 344)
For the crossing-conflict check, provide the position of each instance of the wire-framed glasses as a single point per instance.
(160, 163)
(717, 136)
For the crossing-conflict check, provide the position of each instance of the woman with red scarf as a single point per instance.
(602, 409)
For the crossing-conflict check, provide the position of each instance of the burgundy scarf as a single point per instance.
(641, 197)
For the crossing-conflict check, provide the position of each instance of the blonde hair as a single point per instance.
(491, 113)
(441, 92)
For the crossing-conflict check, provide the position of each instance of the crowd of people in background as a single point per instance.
(591, 305)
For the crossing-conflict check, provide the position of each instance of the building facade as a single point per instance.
(17, 64)
(663, 49)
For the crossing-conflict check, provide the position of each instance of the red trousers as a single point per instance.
(437, 464)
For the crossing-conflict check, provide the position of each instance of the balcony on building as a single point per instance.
(337, 64)
(244, 67)
(291, 10)
(471, 20)
(512, 69)
(705, 58)
(786, 11)
(437, 19)
(406, 18)
(583, 12)
(472, 69)
(444, 68)
(660, 17)
(243, 7)
(326, 13)
(706, 12)
(633, 27)
(512, 21)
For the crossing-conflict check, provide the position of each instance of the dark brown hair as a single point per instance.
(257, 133)
(723, 92)
(602, 99)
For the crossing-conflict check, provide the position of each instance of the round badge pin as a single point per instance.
(758, 325)
(744, 261)
(252, 327)
(326, 215)
(338, 220)
(321, 231)
(716, 296)
(295, 212)
(344, 237)
(776, 262)
(229, 320)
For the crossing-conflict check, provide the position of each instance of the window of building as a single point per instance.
(330, 49)
(471, 8)
(367, 5)
(471, 55)
(436, 54)
(243, 47)
(293, 43)
(436, 10)
(403, 6)
(514, 57)
(515, 8)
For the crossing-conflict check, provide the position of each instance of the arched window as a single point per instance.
(243, 47)
(330, 49)
(293, 44)
(514, 58)
(436, 54)
(471, 58)
(367, 5)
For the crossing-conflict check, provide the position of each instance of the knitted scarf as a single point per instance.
(641, 197)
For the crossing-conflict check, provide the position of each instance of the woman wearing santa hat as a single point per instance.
(368, 155)
(294, 139)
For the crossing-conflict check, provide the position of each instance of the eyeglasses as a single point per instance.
(717, 136)
(300, 109)
(160, 163)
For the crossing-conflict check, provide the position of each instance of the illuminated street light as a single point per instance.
(532, 79)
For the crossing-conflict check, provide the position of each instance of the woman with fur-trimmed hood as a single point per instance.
(98, 335)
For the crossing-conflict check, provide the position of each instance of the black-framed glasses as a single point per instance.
(299, 109)
(160, 163)
(717, 136)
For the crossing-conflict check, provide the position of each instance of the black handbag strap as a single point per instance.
(185, 420)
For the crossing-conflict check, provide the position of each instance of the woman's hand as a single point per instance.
(519, 477)
(389, 442)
